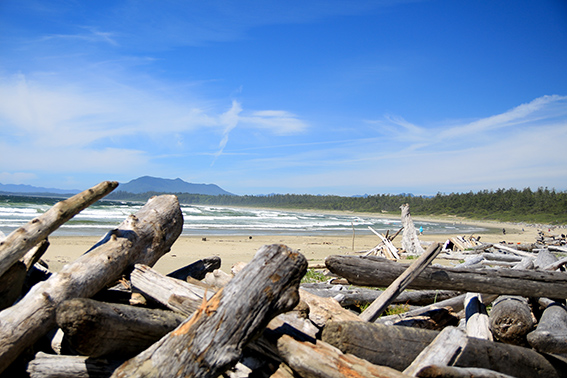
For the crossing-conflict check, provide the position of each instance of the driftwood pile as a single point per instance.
(109, 314)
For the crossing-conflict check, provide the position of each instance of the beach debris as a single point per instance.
(258, 320)
(410, 239)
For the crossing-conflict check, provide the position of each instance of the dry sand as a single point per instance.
(233, 249)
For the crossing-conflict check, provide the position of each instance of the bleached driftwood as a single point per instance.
(213, 338)
(476, 317)
(410, 241)
(54, 366)
(19, 242)
(373, 311)
(550, 335)
(142, 238)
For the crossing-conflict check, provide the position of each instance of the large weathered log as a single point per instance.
(212, 340)
(551, 333)
(511, 319)
(198, 269)
(15, 245)
(381, 303)
(374, 271)
(397, 347)
(324, 310)
(98, 329)
(143, 238)
(54, 366)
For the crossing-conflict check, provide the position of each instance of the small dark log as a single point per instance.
(55, 366)
(98, 329)
(397, 347)
(377, 272)
(11, 284)
(212, 340)
(198, 269)
(436, 319)
(511, 320)
(551, 333)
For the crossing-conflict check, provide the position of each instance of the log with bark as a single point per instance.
(143, 237)
(397, 347)
(99, 329)
(19, 242)
(378, 272)
(213, 338)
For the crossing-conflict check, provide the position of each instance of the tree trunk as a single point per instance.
(372, 271)
(397, 347)
(143, 238)
(198, 269)
(511, 320)
(410, 241)
(19, 242)
(381, 303)
(551, 333)
(98, 329)
(212, 340)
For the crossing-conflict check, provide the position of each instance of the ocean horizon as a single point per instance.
(103, 216)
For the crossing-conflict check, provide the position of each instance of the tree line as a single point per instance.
(537, 206)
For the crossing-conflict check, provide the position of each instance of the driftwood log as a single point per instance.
(212, 340)
(476, 317)
(437, 371)
(399, 284)
(54, 366)
(15, 245)
(410, 241)
(379, 272)
(143, 238)
(99, 329)
(550, 335)
(511, 319)
(398, 347)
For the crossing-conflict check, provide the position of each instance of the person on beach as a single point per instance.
(421, 230)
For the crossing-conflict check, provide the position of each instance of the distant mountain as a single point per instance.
(29, 189)
(154, 184)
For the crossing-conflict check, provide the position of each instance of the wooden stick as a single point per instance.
(381, 303)
(143, 237)
(393, 250)
(15, 246)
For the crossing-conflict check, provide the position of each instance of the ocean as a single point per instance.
(16, 211)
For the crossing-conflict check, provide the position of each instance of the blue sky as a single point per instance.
(320, 97)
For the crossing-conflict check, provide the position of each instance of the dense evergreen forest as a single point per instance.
(540, 206)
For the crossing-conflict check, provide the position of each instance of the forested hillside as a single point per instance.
(540, 206)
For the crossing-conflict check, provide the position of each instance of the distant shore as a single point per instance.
(233, 249)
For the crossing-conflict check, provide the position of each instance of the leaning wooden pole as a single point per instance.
(213, 339)
(21, 240)
(141, 238)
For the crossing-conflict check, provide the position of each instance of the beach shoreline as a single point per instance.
(241, 248)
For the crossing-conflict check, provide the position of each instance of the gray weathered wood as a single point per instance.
(410, 241)
(377, 272)
(397, 347)
(98, 329)
(142, 238)
(213, 338)
(511, 319)
(54, 366)
(514, 251)
(373, 311)
(19, 242)
(444, 350)
(550, 335)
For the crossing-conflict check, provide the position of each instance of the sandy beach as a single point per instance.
(233, 249)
